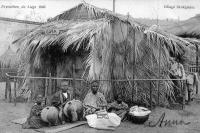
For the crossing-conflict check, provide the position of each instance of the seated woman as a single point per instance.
(34, 120)
(118, 107)
(94, 100)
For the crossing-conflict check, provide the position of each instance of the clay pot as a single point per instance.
(50, 114)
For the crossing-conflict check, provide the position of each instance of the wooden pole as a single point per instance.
(6, 88)
(9, 91)
(183, 83)
(134, 66)
(73, 84)
(34, 88)
(15, 93)
(46, 90)
(50, 84)
(113, 5)
(197, 65)
(150, 95)
(197, 58)
(159, 75)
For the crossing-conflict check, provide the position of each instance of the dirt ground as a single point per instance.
(9, 112)
(191, 113)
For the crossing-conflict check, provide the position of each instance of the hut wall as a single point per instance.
(65, 70)
(37, 85)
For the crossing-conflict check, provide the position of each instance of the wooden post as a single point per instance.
(6, 89)
(197, 59)
(134, 66)
(113, 5)
(73, 84)
(150, 95)
(46, 90)
(134, 62)
(9, 90)
(197, 65)
(34, 89)
(159, 75)
(50, 84)
(15, 93)
(183, 83)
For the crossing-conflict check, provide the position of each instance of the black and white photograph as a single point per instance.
(99, 66)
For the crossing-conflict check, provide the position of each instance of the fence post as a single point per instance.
(34, 89)
(73, 84)
(150, 95)
(197, 65)
(15, 93)
(50, 84)
(183, 82)
(9, 90)
(197, 59)
(159, 74)
(46, 90)
(6, 89)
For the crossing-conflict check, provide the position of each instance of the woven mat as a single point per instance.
(60, 128)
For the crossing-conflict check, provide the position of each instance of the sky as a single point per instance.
(153, 9)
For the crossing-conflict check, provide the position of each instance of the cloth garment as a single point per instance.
(197, 83)
(34, 120)
(177, 72)
(58, 99)
(93, 102)
(192, 86)
(109, 120)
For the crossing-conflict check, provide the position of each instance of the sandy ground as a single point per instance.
(191, 113)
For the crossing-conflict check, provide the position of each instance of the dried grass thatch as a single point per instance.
(9, 59)
(110, 40)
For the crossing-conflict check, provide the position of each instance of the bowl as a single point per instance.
(139, 115)
(138, 119)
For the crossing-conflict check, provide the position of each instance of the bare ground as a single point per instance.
(191, 113)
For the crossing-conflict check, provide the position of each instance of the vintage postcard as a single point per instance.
(100, 66)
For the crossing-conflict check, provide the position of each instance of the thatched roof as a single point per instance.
(188, 28)
(109, 39)
(9, 59)
(90, 12)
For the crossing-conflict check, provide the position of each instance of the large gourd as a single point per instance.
(73, 110)
(50, 114)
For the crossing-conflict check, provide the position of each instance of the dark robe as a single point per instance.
(34, 120)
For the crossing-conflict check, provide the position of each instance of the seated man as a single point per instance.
(118, 107)
(94, 100)
(65, 94)
(34, 120)
(59, 98)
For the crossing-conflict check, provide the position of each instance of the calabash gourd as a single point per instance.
(50, 115)
(73, 110)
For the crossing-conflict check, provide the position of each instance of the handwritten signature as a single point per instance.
(166, 123)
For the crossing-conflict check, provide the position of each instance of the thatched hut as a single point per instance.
(102, 45)
(190, 30)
